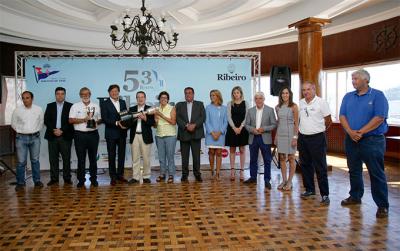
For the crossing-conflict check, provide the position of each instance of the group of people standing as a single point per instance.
(299, 127)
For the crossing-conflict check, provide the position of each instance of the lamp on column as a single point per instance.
(143, 31)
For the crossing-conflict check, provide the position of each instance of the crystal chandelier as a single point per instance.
(143, 31)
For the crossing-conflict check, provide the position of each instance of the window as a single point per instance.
(337, 83)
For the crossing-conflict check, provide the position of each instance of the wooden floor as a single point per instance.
(211, 215)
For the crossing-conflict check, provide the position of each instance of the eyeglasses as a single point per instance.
(305, 109)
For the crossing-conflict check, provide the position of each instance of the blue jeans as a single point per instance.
(166, 154)
(369, 150)
(25, 143)
(254, 147)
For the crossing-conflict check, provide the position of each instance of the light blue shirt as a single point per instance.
(59, 113)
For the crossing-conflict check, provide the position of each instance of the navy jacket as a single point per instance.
(109, 116)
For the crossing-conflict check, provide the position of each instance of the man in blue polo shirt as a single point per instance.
(363, 116)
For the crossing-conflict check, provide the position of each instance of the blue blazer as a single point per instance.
(109, 116)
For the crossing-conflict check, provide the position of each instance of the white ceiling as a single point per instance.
(202, 25)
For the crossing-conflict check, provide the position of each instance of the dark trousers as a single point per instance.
(86, 142)
(59, 146)
(369, 150)
(254, 148)
(112, 145)
(195, 145)
(312, 153)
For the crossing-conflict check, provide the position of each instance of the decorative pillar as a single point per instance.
(310, 50)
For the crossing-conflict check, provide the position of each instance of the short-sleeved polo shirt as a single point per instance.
(360, 109)
(312, 115)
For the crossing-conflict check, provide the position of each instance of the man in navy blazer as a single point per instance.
(115, 133)
(59, 134)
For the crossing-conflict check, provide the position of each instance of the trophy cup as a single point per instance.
(127, 116)
(91, 123)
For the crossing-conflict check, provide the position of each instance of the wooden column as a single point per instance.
(310, 50)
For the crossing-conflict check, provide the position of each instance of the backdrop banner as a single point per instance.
(151, 75)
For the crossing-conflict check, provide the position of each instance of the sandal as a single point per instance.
(160, 178)
(282, 185)
(170, 179)
(288, 186)
(241, 175)
(232, 174)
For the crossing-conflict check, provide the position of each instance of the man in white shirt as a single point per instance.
(27, 121)
(315, 119)
(85, 116)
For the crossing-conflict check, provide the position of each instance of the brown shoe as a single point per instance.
(350, 201)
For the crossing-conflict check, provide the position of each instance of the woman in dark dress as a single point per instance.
(237, 135)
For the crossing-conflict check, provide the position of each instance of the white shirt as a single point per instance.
(259, 113)
(27, 120)
(312, 115)
(139, 121)
(79, 111)
(116, 104)
(189, 106)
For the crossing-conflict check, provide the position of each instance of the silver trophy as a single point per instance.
(91, 123)
(127, 116)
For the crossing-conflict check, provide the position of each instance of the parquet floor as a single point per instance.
(211, 215)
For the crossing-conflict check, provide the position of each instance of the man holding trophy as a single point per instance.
(85, 116)
(141, 137)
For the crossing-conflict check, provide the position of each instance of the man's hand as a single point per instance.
(120, 125)
(191, 127)
(58, 132)
(142, 116)
(256, 132)
(260, 130)
(355, 135)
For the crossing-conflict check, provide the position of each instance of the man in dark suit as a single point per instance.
(59, 134)
(115, 133)
(141, 138)
(190, 117)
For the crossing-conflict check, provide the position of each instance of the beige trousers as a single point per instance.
(140, 149)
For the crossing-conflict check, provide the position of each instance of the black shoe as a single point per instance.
(52, 182)
(113, 182)
(184, 179)
(382, 212)
(80, 184)
(19, 187)
(350, 201)
(94, 183)
(38, 184)
(325, 201)
(68, 182)
(122, 180)
(268, 185)
(133, 181)
(146, 181)
(307, 194)
(250, 181)
(199, 179)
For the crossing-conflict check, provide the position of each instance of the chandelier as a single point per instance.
(143, 31)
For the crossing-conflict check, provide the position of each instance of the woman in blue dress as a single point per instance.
(216, 124)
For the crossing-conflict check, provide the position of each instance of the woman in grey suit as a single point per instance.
(286, 135)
